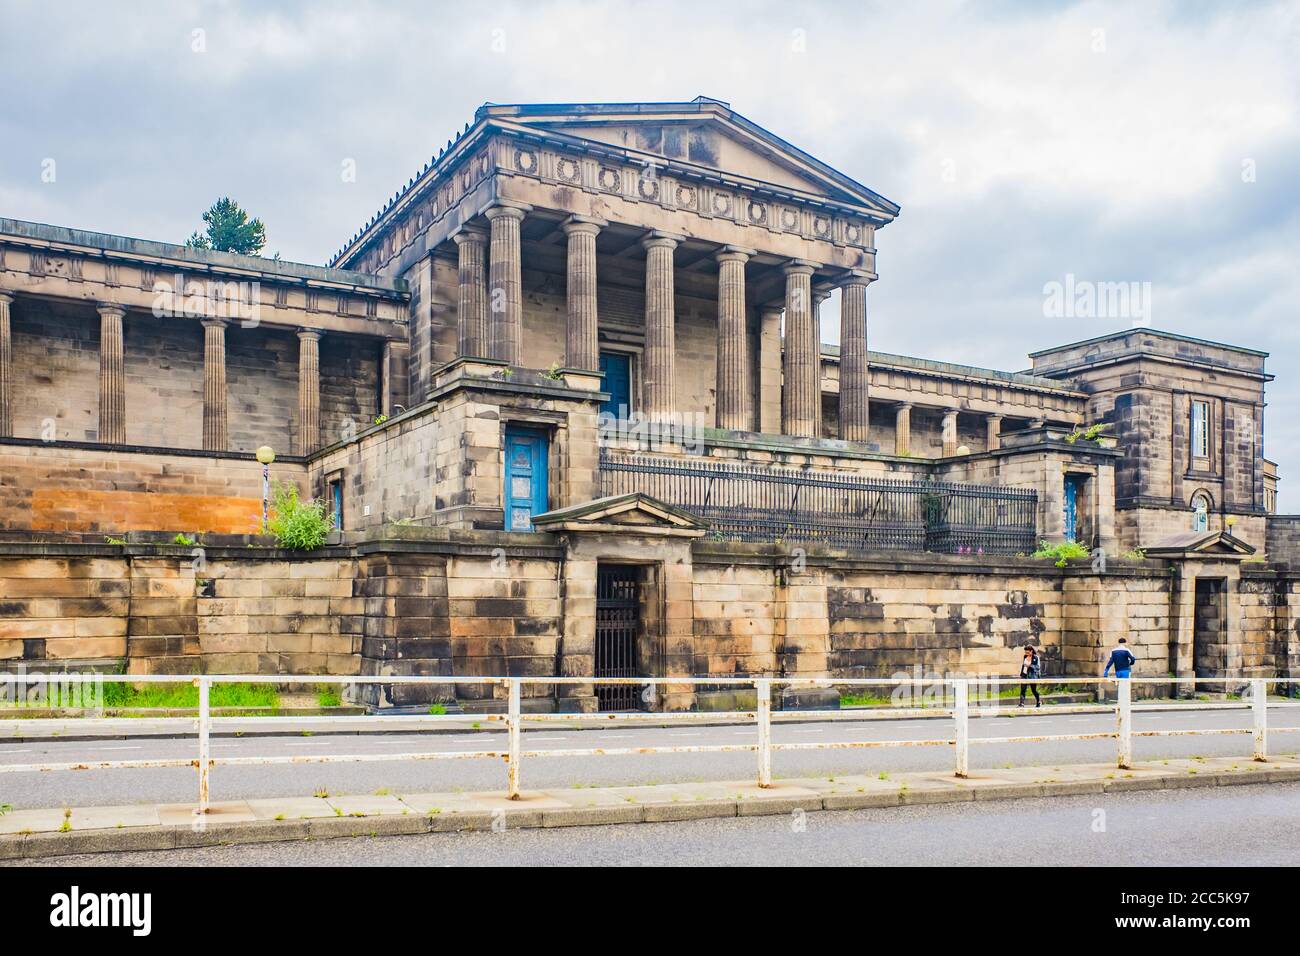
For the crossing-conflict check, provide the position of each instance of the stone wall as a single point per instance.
(415, 601)
(84, 488)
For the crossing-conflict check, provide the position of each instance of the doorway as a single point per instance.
(1208, 628)
(617, 367)
(618, 626)
(525, 494)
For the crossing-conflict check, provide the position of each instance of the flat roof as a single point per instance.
(149, 249)
(1143, 330)
(950, 368)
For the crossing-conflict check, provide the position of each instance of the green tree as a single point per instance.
(230, 230)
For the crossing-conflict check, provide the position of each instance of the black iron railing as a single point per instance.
(745, 502)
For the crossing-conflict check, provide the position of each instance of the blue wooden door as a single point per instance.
(618, 383)
(525, 478)
(1071, 508)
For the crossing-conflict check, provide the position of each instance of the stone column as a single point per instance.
(6, 369)
(112, 376)
(854, 389)
(505, 283)
(801, 401)
(214, 385)
(733, 349)
(903, 430)
(308, 392)
(949, 432)
(660, 341)
(581, 344)
(995, 432)
(472, 300)
(769, 371)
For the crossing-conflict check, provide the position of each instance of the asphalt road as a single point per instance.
(178, 785)
(1249, 825)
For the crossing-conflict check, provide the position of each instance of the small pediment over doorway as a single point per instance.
(1200, 544)
(632, 513)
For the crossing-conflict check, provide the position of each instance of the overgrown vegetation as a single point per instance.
(1061, 553)
(327, 695)
(437, 710)
(186, 696)
(1092, 433)
(183, 539)
(298, 525)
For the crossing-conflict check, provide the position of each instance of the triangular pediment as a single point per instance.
(704, 133)
(634, 513)
(1200, 544)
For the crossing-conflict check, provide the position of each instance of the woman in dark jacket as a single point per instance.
(1030, 669)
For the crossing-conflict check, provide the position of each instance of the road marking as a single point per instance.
(120, 748)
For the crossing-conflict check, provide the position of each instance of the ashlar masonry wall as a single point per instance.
(437, 601)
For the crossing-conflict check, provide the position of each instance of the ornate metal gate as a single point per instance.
(617, 622)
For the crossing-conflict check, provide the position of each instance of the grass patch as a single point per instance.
(186, 696)
(437, 710)
(327, 695)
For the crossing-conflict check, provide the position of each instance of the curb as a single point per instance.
(50, 844)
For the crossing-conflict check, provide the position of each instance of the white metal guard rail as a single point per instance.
(762, 716)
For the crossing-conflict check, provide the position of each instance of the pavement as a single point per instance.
(1149, 828)
(43, 833)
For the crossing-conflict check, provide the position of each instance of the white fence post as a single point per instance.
(1124, 714)
(205, 757)
(764, 717)
(1259, 705)
(512, 760)
(961, 712)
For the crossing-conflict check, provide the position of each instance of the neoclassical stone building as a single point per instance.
(567, 401)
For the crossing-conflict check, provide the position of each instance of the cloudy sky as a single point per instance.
(1126, 142)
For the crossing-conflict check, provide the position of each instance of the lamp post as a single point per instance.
(266, 455)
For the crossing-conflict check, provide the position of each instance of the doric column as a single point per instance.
(581, 349)
(733, 350)
(949, 432)
(505, 283)
(769, 371)
(472, 301)
(854, 391)
(903, 430)
(6, 369)
(995, 432)
(308, 391)
(660, 339)
(112, 376)
(214, 385)
(801, 401)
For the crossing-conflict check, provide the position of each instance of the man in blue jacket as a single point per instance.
(1122, 659)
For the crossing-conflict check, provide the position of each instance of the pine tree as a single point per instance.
(230, 230)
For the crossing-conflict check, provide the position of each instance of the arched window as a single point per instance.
(1200, 511)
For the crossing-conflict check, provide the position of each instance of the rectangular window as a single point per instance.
(1200, 429)
(334, 502)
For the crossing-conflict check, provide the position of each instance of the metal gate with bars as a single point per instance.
(618, 614)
